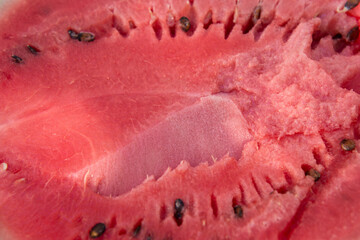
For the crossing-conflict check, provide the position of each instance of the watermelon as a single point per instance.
(179, 119)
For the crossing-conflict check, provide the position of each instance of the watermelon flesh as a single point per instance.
(234, 112)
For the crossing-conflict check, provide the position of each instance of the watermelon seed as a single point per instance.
(73, 34)
(353, 34)
(350, 4)
(229, 25)
(208, 19)
(348, 144)
(17, 59)
(238, 211)
(179, 211)
(314, 174)
(179, 205)
(254, 17)
(256, 14)
(185, 24)
(33, 49)
(137, 228)
(97, 230)
(86, 37)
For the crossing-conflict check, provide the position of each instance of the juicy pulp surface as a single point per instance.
(89, 132)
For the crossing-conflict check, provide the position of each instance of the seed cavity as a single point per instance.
(97, 230)
(348, 144)
(350, 4)
(132, 24)
(208, 19)
(179, 208)
(32, 49)
(314, 174)
(156, 25)
(238, 211)
(353, 34)
(16, 59)
(171, 22)
(229, 25)
(339, 43)
(337, 36)
(185, 24)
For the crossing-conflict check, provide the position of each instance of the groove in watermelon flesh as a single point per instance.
(229, 116)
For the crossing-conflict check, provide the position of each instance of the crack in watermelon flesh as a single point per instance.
(231, 114)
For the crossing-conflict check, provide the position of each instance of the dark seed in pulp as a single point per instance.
(97, 230)
(137, 230)
(238, 211)
(256, 14)
(348, 144)
(33, 49)
(350, 4)
(86, 37)
(314, 174)
(73, 34)
(179, 205)
(17, 59)
(185, 24)
(353, 34)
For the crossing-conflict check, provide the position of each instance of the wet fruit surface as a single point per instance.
(179, 120)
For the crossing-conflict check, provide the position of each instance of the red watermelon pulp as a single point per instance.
(169, 119)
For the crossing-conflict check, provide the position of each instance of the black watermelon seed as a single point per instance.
(350, 4)
(238, 211)
(97, 230)
(185, 24)
(73, 34)
(179, 205)
(86, 37)
(353, 34)
(348, 144)
(314, 174)
(33, 49)
(17, 59)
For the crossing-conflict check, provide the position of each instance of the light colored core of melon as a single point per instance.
(204, 132)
